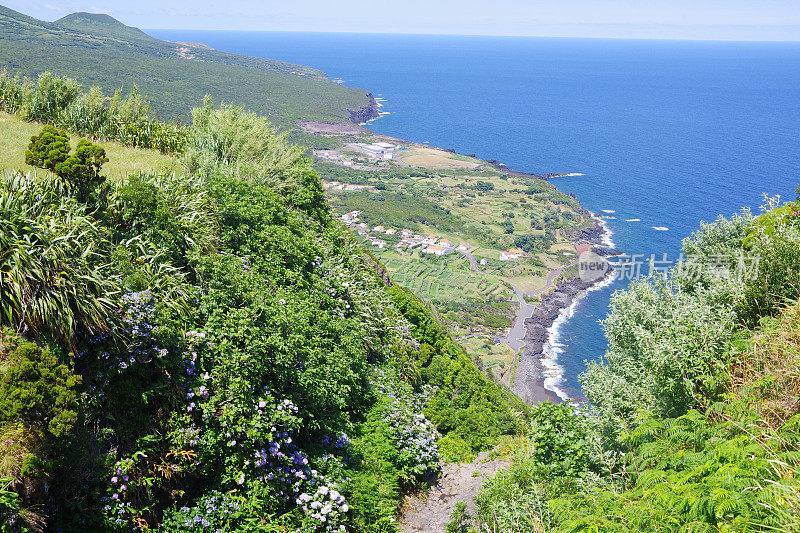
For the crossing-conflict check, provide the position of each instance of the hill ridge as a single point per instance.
(98, 49)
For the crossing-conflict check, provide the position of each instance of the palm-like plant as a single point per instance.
(51, 279)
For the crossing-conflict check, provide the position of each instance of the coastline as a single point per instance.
(538, 373)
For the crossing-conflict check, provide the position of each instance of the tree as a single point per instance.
(82, 169)
(48, 149)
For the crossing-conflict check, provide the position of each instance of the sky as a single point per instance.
(777, 20)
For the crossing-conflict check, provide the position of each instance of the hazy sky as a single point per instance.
(681, 19)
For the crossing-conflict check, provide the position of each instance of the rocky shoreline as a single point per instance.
(529, 381)
(369, 112)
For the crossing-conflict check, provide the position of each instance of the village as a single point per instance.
(426, 244)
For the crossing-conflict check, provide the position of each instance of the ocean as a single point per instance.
(666, 133)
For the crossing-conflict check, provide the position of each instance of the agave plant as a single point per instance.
(51, 279)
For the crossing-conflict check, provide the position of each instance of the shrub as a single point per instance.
(48, 149)
(173, 213)
(82, 169)
(38, 391)
(667, 351)
(239, 143)
(774, 238)
(50, 97)
(53, 281)
(561, 444)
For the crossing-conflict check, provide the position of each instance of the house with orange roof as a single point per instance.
(511, 253)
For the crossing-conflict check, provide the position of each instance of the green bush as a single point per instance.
(51, 95)
(54, 281)
(48, 149)
(173, 213)
(38, 391)
(667, 351)
(82, 169)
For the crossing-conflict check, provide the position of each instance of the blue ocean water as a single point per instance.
(667, 132)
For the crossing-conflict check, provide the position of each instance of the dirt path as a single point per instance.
(460, 482)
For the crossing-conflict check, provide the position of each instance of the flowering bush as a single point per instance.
(214, 512)
(415, 436)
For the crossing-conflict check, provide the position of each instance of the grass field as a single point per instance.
(15, 134)
(498, 359)
(437, 159)
(438, 280)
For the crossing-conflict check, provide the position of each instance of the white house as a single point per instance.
(483, 262)
(381, 150)
(511, 253)
(406, 233)
(391, 231)
(463, 247)
(435, 249)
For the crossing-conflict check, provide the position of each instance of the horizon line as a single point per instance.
(616, 38)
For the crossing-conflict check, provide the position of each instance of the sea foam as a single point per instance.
(552, 371)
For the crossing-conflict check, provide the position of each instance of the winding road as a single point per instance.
(515, 338)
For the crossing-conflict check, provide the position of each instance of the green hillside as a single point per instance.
(205, 347)
(99, 50)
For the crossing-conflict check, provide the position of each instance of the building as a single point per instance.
(391, 231)
(446, 243)
(463, 247)
(378, 228)
(406, 233)
(483, 262)
(350, 217)
(379, 243)
(380, 150)
(435, 249)
(430, 239)
(511, 253)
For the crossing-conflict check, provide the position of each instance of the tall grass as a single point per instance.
(60, 102)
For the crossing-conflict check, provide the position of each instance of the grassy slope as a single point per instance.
(98, 50)
(15, 135)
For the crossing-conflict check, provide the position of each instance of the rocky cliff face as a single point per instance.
(366, 113)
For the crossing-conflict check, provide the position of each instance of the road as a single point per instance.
(515, 338)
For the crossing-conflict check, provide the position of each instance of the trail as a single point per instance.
(429, 512)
